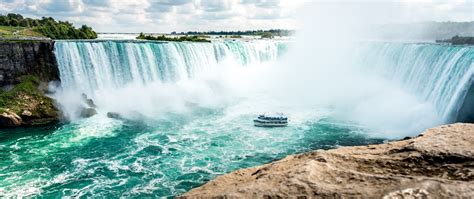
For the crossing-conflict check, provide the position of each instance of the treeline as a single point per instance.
(422, 30)
(49, 27)
(263, 33)
(193, 38)
(458, 40)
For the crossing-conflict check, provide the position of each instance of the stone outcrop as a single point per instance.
(9, 118)
(20, 58)
(437, 164)
(26, 67)
(87, 112)
(89, 109)
(114, 115)
(25, 104)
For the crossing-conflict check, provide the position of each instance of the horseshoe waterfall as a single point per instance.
(174, 115)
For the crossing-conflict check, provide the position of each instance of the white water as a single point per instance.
(394, 89)
(155, 77)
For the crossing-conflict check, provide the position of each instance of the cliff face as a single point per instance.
(19, 58)
(25, 69)
(437, 164)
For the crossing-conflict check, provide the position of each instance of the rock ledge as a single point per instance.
(437, 164)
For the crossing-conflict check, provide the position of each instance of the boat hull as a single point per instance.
(261, 124)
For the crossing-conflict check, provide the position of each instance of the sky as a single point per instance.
(205, 15)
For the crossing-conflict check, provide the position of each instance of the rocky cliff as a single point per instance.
(437, 164)
(26, 67)
(19, 58)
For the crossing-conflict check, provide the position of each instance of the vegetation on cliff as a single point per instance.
(263, 33)
(458, 40)
(16, 26)
(194, 38)
(27, 103)
(12, 32)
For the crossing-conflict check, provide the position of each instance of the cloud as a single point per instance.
(204, 15)
(263, 3)
(63, 6)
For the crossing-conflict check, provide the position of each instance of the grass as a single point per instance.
(26, 96)
(10, 32)
(10, 99)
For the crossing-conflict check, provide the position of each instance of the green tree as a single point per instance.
(13, 22)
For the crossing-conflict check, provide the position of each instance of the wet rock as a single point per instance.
(435, 165)
(88, 112)
(9, 119)
(114, 115)
(88, 101)
(26, 113)
(91, 103)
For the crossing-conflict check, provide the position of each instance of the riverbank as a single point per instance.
(437, 163)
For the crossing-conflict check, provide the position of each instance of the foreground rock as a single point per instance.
(437, 164)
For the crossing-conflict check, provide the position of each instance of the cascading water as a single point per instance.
(151, 73)
(89, 66)
(437, 74)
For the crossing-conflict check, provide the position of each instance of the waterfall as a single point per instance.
(90, 65)
(437, 74)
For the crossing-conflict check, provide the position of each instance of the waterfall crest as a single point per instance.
(437, 75)
(91, 65)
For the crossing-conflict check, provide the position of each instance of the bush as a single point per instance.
(176, 39)
(49, 27)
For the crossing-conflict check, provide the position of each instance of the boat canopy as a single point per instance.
(272, 117)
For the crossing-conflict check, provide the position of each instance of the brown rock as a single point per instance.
(26, 113)
(438, 164)
(10, 119)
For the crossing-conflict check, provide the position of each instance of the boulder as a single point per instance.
(87, 112)
(88, 101)
(10, 119)
(114, 115)
(26, 113)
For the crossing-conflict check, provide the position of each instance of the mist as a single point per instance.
(320, 71)
(317, 78)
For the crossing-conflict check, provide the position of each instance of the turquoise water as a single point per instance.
(112, 158)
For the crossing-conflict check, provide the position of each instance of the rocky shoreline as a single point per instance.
(439, 163)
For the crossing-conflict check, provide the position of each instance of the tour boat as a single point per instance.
(277, 120)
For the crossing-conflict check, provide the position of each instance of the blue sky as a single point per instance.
(203, 15)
